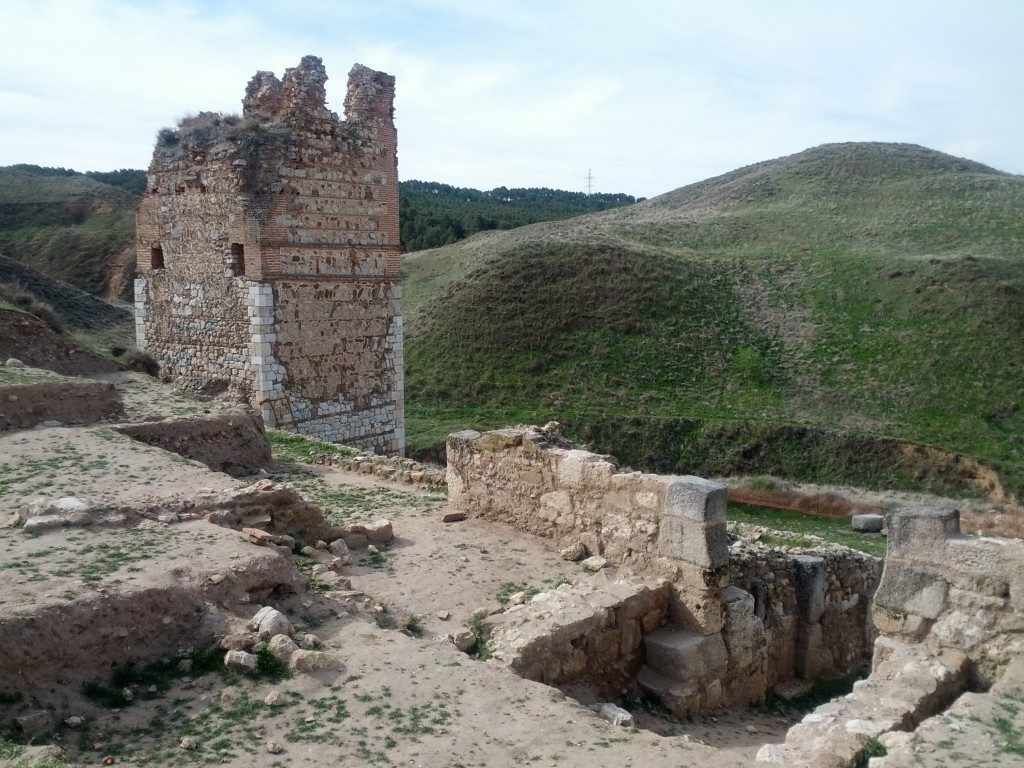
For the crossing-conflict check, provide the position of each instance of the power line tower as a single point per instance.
(590, 182)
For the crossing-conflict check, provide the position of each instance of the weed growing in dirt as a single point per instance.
(10, 750)
(291, 447)
(129, 682)
(412, 625)
(269, 667)
(1013, 739)
(479, 649)
(872, 748)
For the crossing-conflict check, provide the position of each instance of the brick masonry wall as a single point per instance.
(311, 333)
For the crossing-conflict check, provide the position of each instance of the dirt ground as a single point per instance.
(97, 465)
(412, 700)
(404, 696)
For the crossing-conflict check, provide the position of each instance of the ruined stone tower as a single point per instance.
(268, 256)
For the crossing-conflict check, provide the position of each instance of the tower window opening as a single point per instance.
(237, 260)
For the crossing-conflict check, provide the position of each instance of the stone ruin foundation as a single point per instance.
(700, 624)
(269, 257)
(703, 623)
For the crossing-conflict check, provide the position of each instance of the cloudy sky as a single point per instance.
(650, 95)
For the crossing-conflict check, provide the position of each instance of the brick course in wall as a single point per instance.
(269, 257)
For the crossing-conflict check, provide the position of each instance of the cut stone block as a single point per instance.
(682, 699)
(911, 530)
(686, 656)
(682, 538)
(908, 590)
(695, 498)
(868, 523)
(811, 580)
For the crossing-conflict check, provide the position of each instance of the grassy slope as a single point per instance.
(68, 226)
(873, 288)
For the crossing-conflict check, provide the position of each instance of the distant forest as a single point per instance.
(435, 214)
(431, 214)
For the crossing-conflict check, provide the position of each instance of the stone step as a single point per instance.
(686, 656)
(682, 699)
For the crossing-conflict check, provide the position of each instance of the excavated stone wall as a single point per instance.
(741, 619)
(269, 257)
(942, 589)
(540, 483)
(814, 608)
(580, 635)
(950, 614)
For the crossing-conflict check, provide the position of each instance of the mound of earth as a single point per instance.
(74, 306)
(26, 338)
(868, 289)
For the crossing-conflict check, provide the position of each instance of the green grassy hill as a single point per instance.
(69, 225)
(809, 315)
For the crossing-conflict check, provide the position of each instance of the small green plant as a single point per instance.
(872, 748)
(384, 618)
(269, 667)
(509, 588)
(479, 649)
(412, 625)
(1013, 739)
(10, 750)
(129, 682)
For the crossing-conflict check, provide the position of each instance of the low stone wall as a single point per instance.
(942, 589)
(67, 402)
(234, 442)
(538, 482)
(740, 621)
(428, 476)
(584, 635)
(950, 613)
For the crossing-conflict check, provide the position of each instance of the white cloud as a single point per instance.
(651, 95)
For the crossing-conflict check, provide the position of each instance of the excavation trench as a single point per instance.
(680, 619)
(788, 621)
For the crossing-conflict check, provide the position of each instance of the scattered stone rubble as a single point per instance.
(271, 626)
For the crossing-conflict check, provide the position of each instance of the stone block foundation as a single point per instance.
(737, 620)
